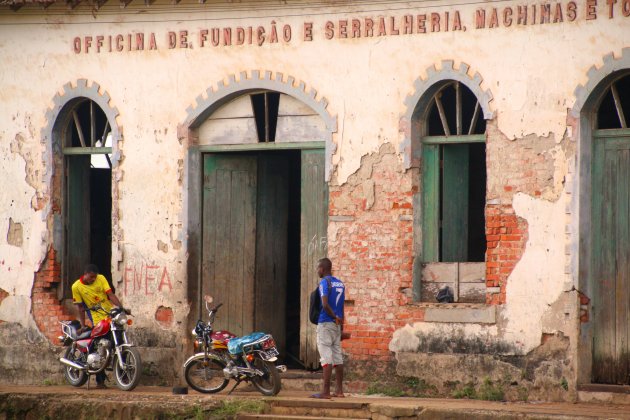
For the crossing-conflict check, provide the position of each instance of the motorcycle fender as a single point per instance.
(199, 356)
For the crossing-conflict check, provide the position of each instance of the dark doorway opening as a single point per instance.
(101, 221)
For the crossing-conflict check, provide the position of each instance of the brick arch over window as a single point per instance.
(411, 123)
(226, 91)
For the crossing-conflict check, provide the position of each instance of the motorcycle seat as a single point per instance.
(74, 334)
(235, 345)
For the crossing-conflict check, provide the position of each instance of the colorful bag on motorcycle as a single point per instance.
(235, 345)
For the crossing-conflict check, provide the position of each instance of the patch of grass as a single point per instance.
(467, 391)
(564, 384)
(523, 394)
(490, 392)
(387, 390)
(230, 408)
(49, 382)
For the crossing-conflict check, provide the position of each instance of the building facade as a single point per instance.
(224, 147)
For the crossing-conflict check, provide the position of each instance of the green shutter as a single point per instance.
(430, 202)
(455, 203)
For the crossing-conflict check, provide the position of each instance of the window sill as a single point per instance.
(464, 313)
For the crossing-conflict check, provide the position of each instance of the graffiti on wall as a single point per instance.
(146, 279)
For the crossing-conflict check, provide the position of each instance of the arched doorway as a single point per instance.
(262, 217)
(609, 274)
(83, 139)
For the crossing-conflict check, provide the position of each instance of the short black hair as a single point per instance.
(91, 268)
(325, 263)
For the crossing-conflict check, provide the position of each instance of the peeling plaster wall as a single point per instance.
(531, 72)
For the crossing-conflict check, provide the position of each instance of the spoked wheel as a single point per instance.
(269, 383)
(206, 375)
(128, 376)
(75, 377)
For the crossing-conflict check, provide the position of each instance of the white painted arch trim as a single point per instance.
(424, 88)
(225, 91)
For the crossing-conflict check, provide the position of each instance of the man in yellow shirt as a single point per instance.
(89, 290)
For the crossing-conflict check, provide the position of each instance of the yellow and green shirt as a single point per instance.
(91, 294)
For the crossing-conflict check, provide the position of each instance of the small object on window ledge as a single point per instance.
(445, 295)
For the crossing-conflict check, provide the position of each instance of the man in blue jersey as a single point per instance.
(329, 327)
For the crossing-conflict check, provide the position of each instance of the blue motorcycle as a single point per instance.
(221, 356)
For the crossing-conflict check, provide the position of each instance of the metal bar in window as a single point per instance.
(440, 108)
(77, 123)
(475, 138)
(86, 150)
(615, 94)
(458, 108)
(109, 161)
(92, 126)
(473, 122)
(104, 134)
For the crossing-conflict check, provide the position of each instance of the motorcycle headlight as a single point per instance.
(194, 332)
(121, 319)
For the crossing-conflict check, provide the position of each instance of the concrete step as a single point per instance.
(320, 408)
(288, 417)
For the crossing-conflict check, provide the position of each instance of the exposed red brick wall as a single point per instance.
(506, 234)
(47, 310)
(373, 253)
(164, 316)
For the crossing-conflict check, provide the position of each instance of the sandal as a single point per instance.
(320, 396)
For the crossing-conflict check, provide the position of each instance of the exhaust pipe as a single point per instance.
(71, 363)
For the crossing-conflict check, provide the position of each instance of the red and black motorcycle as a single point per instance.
(103, 347)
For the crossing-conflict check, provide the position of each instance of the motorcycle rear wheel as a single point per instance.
(206, 376)
(75, 377)
(128, 376)
(268, 384)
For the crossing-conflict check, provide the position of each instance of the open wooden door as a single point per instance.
(314, 225)
(77, 217)
(229, 238)
(611, 260)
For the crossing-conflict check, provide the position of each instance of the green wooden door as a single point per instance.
(610, 263)
(314, 225)
(271, 246)
(77, 217)
(229, 238)
(455, 203)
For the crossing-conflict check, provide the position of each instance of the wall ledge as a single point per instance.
(465, 313)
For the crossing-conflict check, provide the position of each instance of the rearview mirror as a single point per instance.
(208, 298)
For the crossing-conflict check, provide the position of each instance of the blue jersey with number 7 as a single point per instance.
(336, 296)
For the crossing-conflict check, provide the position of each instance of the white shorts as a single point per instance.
(329, 343)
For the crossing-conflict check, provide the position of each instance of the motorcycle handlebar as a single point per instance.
(216, 308)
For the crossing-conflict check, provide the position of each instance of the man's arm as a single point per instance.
(114, 298)
(81, 316)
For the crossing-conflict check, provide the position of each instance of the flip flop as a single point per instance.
(335, 395)
(320, 396)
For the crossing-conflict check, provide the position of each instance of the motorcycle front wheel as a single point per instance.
(206, 375)
(75, 377)
(128, 376)
(269, 383)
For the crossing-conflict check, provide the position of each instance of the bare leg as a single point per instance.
(326, 385)
(339, 381)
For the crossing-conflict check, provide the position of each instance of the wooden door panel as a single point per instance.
(610, 261)
(229, 236)
(77, 218)
(271, 246)
(455, 203)
(314, 225)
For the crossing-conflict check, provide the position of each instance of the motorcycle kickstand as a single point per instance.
(238, 382)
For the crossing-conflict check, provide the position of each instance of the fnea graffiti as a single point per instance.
(146, 279)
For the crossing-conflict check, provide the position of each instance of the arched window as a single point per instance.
(454, 177)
